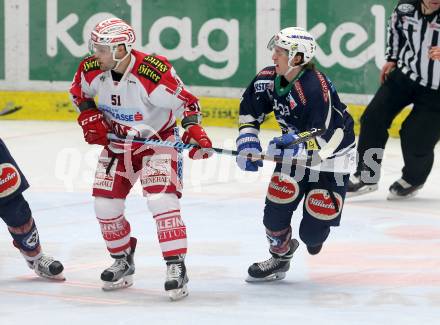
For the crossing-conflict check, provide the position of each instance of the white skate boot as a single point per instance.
(47, 267)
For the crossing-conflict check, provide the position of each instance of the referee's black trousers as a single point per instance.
(419, 133)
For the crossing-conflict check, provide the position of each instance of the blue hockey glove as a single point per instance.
(279, 146)
(248, 143)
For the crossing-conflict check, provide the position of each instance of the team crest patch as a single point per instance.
(10, 179)
(320, 205)
(32, 240)
(282, 189)
(405, 8)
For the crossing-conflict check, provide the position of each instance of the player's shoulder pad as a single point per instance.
(150, 67)
(406, 7)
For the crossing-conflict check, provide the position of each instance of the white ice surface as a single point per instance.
(381, 266)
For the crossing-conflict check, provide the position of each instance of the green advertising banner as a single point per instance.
(212, 44)
(351, 38)
(209, 43)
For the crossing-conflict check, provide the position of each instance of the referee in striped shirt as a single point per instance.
(411, 75)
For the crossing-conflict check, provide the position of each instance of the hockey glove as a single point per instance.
(195, 134)
(94, 126)
(279, 146)
(248, 143)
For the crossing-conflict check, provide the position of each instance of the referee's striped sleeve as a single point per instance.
(393, 40)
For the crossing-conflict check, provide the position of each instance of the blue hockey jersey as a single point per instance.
(309, 101)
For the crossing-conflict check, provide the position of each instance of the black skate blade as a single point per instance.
(272, 277)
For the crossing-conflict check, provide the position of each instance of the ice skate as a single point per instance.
(120, 274)
(47, 267)
(274, 268)
(314, 250)
(357, 187)
(401, 190)
(175, 283)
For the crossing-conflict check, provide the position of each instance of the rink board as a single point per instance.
(56, 106)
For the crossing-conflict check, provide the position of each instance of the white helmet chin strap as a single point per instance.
(118, 61)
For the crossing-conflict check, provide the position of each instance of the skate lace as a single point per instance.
(44, 262)
(119, 264)
(268, 264)
(174, 271)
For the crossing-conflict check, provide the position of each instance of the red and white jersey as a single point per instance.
(146, 100)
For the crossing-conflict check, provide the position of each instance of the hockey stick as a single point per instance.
(180, 145)
(9, 109)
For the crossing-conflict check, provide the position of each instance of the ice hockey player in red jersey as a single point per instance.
(16, 213)
(139, 95)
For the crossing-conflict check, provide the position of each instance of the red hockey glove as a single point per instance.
(196, 135)
(95, 128)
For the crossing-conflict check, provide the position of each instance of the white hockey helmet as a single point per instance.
(295, 40)
(112, 32)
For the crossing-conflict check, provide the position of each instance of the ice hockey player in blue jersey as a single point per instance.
(15, 212)
(302, 98)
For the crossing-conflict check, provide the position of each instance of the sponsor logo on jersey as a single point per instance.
(320, 205)
(300, 93)
(125, 116)
(138, 116)
(149, 73)
(282, 189)
(292, 102)
(324, 86)
(10, 179)
(91, 65)
(156, 63)
(262, 85)
(280, 109)
(266, 73)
